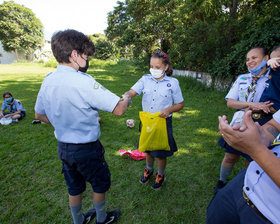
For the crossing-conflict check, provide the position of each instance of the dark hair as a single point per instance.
(276, 48)
(64, 42)
(165, 60)
(263, 49)
(7, 93)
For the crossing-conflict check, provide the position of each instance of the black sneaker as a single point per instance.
(220, 184)
(36, 122)
(111, 217)
(146, 176)
(158, 182)
(89, 216)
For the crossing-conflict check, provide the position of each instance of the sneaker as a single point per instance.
(146, 176)
(220, 184)
(89, 215)
(15, 120)
(36, 122)
(158, 182)
(111, 217)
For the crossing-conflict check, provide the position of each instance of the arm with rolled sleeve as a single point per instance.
(232, 97)
(103, 99)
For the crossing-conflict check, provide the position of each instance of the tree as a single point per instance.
(202, 35)
(103, 48)
(19, 28)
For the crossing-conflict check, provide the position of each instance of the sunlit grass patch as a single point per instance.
(33, 189)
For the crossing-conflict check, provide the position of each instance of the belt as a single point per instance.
(260, 115)
(251, 204)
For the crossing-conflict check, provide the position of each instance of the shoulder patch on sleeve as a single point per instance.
(96, 85)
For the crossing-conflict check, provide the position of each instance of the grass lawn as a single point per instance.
(33, 189)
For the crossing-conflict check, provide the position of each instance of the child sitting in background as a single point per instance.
(16, 110)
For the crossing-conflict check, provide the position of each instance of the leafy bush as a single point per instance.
(51, 63)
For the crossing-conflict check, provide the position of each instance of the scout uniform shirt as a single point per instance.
(71, 101)
(261, 190)
(13, 107)
(238, 91)
(158, 95)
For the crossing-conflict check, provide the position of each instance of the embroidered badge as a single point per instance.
(168, 85)
(96, 85)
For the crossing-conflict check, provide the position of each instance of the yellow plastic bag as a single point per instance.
(153, 133)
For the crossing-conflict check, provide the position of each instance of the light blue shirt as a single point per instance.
(238, 90)
(71, 101)
(14, 107)
(261, 190)
(158, 95)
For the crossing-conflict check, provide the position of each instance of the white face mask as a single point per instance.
(156, 73)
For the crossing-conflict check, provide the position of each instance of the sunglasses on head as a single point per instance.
(161, 54)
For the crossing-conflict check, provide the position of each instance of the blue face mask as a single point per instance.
(258, 69)
(9, 100)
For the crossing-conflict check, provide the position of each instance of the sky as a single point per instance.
(87, 16)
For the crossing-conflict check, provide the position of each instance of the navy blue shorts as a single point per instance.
(83, 163)
(229, 206)
(171, 141)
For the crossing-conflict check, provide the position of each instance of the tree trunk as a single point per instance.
(16, 54)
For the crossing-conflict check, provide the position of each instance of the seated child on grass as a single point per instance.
(16, 110)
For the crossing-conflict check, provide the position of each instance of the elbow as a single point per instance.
(119, 112)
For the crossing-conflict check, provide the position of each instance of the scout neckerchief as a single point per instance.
(11, 109)
(252, 87)
(275, 142)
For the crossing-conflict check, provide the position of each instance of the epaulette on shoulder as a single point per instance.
(48, 74)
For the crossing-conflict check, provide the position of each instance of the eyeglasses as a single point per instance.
(161, 54)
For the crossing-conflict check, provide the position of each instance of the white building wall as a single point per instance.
(6, 57)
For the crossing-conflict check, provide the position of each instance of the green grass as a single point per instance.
(32, 186)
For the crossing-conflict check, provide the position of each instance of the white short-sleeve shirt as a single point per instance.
(71, 101)
(261, 190)
(238, 90)
(158, 95)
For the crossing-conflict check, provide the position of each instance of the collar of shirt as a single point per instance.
(65, 68)
(165, 78)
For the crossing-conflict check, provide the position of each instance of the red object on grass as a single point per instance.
(134, 154)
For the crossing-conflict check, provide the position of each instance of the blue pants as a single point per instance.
(228, 205)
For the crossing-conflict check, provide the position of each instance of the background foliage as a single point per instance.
(200, 35)
(20, 30)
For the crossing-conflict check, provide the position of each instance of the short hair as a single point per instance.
(261, 48)
(276, 48)
(7, 93)
(64, 42)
